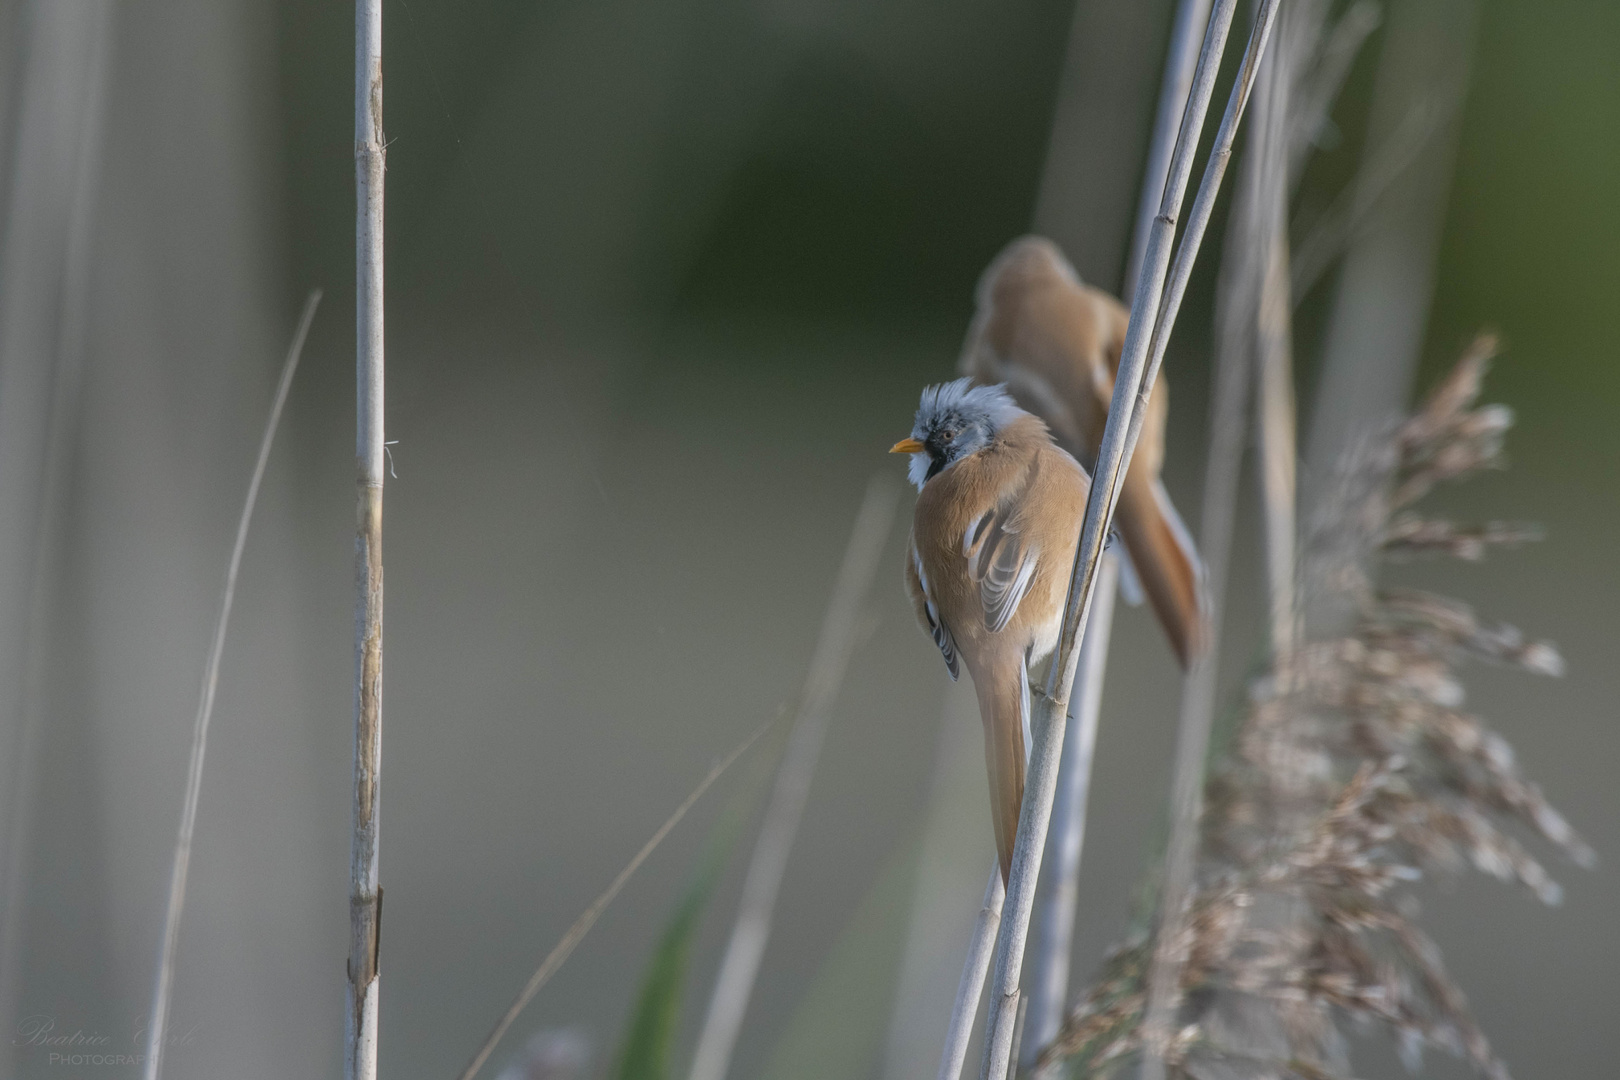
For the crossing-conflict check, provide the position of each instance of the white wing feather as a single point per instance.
(1001, 565)
(936, 626)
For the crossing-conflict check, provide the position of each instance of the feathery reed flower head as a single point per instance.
(1355, 770)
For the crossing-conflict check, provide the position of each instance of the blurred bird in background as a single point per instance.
(998, 516)
(1001, 496)
(1054, 343)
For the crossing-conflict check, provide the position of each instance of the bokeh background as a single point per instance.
(664, 281)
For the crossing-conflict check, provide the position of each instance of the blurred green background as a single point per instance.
(664, 280)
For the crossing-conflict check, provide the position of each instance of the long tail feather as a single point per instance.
(1004, 706)
(1166, 563)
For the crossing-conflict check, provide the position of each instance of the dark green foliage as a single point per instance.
(649, 1040)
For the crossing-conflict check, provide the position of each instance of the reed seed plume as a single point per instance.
(1355, 770)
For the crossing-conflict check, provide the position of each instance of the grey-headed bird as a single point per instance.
(1055, 343)
(999, 508)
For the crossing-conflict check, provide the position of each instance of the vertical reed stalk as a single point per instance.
(1198, 219)
(1192, 17)
(1053, 956)
(1397, 206)
(971, 988)
(1218, 512)
(749, 934)
(1278, 450)
(163, 989)
(939, 924)
(1274, 354)
(53, 171)
(1131, 387)
(1018, 1035)
(1040, 784)
(365, 894)
(1049, 988)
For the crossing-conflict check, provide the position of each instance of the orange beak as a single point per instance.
(907, 446)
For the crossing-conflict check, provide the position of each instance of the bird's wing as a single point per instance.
(1001, 561)
(928, 610)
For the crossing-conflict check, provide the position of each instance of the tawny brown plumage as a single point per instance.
(992, 546)
(1055, 343)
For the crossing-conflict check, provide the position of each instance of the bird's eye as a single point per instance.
(949, 434)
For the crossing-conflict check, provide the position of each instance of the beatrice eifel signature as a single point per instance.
(78, 1046)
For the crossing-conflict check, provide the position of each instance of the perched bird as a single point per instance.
(1055, 343)
(999, 508)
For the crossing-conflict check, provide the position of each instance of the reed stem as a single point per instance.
(1220, 488)
(365, 892)
(1390, 233)
(1132, 384)
(1276, 438)
(61, 59)
(581, 926)
(749, 934)
(163, 989)
(971, 987)
(1059, 904)
(1192, 18)
(1049, 987)
(1203, 209)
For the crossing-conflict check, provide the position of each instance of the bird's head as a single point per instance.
(954, 420)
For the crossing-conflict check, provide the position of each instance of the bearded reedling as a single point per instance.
(1054, 343)
(997, 521)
